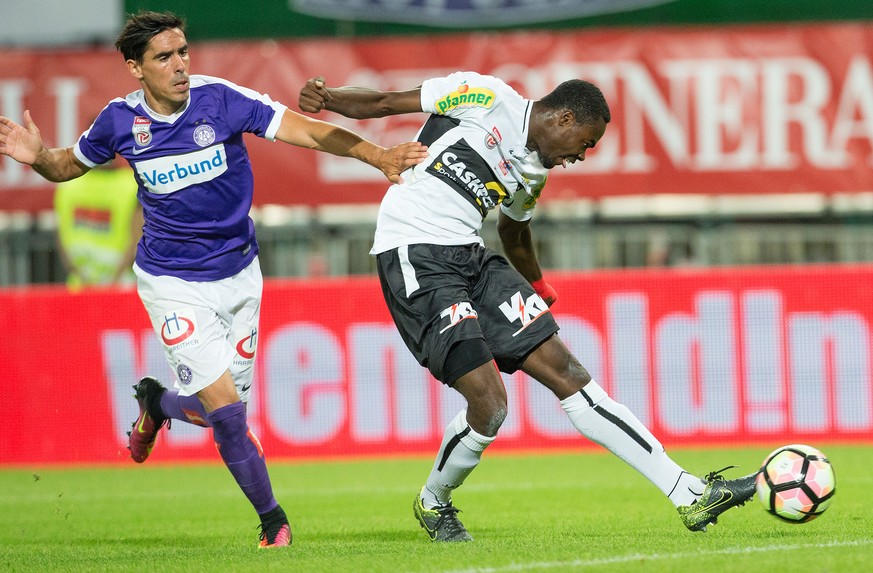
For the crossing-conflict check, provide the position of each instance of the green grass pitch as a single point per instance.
(573, 511)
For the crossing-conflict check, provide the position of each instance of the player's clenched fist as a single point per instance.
(314, 96)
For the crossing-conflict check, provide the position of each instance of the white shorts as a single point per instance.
(206, 327)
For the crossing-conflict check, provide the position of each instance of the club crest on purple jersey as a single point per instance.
(204, 135)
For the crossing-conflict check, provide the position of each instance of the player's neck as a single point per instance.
(164, 108)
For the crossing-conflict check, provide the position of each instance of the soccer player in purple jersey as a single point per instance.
(467, 313)
(197, 269)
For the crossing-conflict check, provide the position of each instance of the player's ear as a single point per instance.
(134, 68)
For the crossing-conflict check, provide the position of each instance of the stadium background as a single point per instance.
(712, 257)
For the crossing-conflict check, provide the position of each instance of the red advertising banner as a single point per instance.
(726, 110)
(715, 356)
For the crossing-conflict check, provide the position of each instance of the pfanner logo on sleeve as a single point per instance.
(171, 173)
(465, 96)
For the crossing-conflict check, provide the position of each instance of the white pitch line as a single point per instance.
(656, 557)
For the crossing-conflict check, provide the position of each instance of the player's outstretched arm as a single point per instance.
(357, 102)
(303, 131)
(24, 144)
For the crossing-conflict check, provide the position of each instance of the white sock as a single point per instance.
(612, 425)
(459, 455)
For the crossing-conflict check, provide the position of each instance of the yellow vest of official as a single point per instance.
(94, 215)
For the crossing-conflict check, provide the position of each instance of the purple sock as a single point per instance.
(242, 454)
(185, 408)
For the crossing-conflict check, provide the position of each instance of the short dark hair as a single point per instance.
(141, 28)
(583, 98)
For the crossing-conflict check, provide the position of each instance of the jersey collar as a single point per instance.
(138, 98)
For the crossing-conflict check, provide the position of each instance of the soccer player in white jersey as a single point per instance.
(462, 310)
(197, 269)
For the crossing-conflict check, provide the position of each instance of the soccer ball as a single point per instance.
(796, 483)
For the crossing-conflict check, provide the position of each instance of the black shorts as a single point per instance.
(441, 295)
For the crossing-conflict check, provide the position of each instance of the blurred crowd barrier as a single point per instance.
(616, 232)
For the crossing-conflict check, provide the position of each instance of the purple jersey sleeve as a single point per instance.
(98, 144)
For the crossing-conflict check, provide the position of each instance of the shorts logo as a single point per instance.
(142, 130)
(184, 374)
(246, 346)
(204, 135)
(177, 328)
(523, 310)
(458, 312)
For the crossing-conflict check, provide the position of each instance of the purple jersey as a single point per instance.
(195, 179)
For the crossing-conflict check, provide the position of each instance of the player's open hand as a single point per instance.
(313, 96)
(21, 143)
(395, 160)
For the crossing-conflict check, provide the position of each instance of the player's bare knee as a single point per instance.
(486, 412)
(578, 374)
(495, 421)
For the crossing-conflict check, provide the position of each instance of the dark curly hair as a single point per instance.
(583, 98)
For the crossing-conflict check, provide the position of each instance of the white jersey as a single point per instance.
(477, 129)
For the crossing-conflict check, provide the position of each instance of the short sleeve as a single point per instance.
(520, 206)
(97, 145)
(250, 111)
(460, 94)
